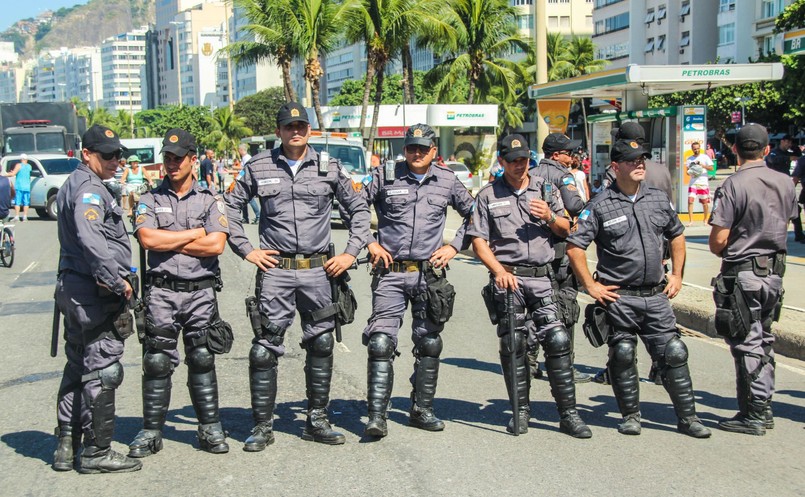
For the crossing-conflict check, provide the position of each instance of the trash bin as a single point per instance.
(712, 174)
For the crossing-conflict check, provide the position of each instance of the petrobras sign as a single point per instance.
(460, 116)
(710, 72)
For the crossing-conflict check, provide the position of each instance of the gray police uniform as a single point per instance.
(524, 246)
(295, 220)
(755, 205)
(180, 297)
(629, 243)
(95, 251)
(566, 286)
(411, 217)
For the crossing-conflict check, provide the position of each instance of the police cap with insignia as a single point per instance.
(752, 137)
(101, 139)
(627, 150)
(290, 113)
(420, 134)
(514, 147)
(558, 142)
(178, 142)
(632, 131)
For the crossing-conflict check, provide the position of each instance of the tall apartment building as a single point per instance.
(754, 17)
(250, 78)
(122, 57)
(83, 78)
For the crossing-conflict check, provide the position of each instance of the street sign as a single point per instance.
(736, 117)
(794, 42)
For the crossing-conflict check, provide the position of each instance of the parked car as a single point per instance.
(48, 174)
(463, 173)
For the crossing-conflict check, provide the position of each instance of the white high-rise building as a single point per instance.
(251, 78)
(122, 56)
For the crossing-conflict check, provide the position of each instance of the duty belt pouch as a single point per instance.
(778, 307)
(441, 297)
(124, 324)
(220, 337)
(488, 294)
(596, 328)
(733, 317)
(347, 304)
(253, 312)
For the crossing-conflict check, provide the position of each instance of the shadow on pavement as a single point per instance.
(32, 444)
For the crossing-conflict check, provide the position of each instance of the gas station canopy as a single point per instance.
(656, 80)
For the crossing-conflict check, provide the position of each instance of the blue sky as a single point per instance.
(15, 10)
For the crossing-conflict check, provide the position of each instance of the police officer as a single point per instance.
(627, 223)
(184, 228)
(749, 227)
(554, 169)
(296, 187)
(513, 229)
(92, 293)
(779, 159)
(410, 198)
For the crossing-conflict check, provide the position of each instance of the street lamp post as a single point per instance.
(178, 60)
(743, 101)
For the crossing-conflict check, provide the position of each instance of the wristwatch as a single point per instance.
(552, 219)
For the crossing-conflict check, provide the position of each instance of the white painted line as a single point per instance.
(30, 266)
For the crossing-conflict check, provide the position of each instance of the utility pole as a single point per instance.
(541, 57)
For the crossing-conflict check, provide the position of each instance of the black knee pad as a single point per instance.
(111, 376)
(261, 358)
(622, 353)
(321, 346)
(157, 364)
(380, 346)
(676, 353)
(430, 345)
(557, 341)
(506, 343)
(200, 360)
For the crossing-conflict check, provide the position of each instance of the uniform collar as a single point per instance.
(166, 187)
(641, 191)
(406, 171)
(310, 156)
(532, 184)
(753, 164)
(93, 176)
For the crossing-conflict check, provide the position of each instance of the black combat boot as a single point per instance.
(380, 381)
(98, 456)
(751, 423)
(202, 383)
(521, 385)
(622, 371)
(559, 365)
(423, 381)
(675, 377)
(156, 399)
(318, 375)
(67, 448)
(263, 387)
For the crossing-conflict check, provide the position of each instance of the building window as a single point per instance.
(553, 21)
(650, 45)
(684, 10)
(769, 45)
(613, 23)
(661, 13)
(564, 22)
(726, 5)
(685, 41)
(726, 34)
(649, 16)
(770, 8)
(661, 42)
(525, 22)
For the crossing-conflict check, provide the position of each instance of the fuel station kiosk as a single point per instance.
(669, 130)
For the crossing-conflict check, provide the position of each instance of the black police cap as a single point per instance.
(514, 147)
(752, 137)
(101, 139)
(557, 142)
(420, 134)
(290, 113)
(631, 130)
(178, 142)
(627, 150)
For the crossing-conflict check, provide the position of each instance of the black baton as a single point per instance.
(510, 317)
(334, 291)
(54, 337)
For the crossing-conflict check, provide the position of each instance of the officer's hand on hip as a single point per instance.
(673, 287)
(262, 258)
(338, 264)
(442, 256)
(505, 280)
(128, 291)
(378, 254)
(603, 294)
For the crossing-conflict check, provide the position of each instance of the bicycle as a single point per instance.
(6, 244)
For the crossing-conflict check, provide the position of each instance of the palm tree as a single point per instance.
(271, 39)
(486, 32)
(227, 130)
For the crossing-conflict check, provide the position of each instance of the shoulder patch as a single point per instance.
(567, 180)
(220, 205)
(91, 214)
(223, 222)
(141, 209)
(584, 214)
(91, 198)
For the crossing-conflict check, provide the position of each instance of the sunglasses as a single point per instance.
(109, 155)
(422, 149)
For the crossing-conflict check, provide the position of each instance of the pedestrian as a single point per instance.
(580, 180)
(22, 187)
(554, 169)
(698, 164)
(514, 223)
(798, 176)
(243, 150)
(597, 187)
(6, 196)
(749, 227)
(296, 190)
(409, 263)
(136, 180)
(779, 158)
(221, 174)
(628, 223)
(92, 291)
(207, 170)
(184, 229)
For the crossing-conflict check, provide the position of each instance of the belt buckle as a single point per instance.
(181, 286)
(411, 266)
(302, 263)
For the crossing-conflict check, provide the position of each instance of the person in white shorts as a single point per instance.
(698, 165)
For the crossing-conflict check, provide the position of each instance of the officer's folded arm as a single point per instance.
(168, 241)
(718, 239)
(211, 245)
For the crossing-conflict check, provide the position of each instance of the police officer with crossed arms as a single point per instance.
(627, 222)
(410, 198)
(296, 187)
(184, 228)
(513, 227)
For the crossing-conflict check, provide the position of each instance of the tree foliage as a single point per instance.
(793, 17)
(226, 131)
(259, 111)
(351, 92)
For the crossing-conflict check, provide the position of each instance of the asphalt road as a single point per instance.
(474, 456)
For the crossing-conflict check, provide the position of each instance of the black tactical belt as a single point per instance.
(301, 261)
(179, 285)
(641, 291)
(761, 265)
(408, 266)
(528, 271)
